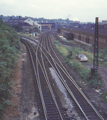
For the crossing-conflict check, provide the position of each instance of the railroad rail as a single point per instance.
(43, 56)
(50, 109)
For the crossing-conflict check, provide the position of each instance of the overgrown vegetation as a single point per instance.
(104, 96)
(78, 67)
(18, 28)
(9, 49)
(88, 51)
(35, 29)
(103, 57)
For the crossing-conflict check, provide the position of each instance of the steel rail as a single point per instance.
(49, 86)
(39, 85)
(38, 82)
(66, 71)
(64, 83)
(66, 86)
(49, 51)
(72, 80)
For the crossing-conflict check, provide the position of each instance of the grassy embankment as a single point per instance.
(93, 81)
(78, 67)
(102, 52)
(9, 53)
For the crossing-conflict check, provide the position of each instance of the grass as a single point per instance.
(88, 51)
(103, 57)
(10, 48)
(103, 96)
(95, 80)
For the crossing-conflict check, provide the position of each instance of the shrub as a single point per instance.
(78, 67)
(9, 49)
(95, 80)
(103, 96)
(103, 56)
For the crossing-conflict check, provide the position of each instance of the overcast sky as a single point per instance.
(82, 10)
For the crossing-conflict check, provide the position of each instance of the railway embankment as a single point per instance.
(27, 106)
(97, 93)
(23, 99)
(9, 52)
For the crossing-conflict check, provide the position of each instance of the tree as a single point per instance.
(35, 29)
(9, 48)
(1, 22)
(17, 28)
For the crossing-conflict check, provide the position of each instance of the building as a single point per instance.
(104, 22)
(87, 35)
(47, 26)
(25, 23)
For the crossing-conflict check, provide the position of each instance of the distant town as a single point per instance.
(60, 22)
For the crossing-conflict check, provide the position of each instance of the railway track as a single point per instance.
(43, 57)
(50, 109)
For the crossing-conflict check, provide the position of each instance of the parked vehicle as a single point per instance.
(68, 35)
(82, 57)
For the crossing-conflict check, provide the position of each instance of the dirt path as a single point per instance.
(24, 101)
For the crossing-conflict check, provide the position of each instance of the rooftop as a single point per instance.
(91, 30)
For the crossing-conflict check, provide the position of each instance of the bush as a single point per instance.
(95, 80)
(78, 67)
(9, 49)
(104, 97)
(103, 56)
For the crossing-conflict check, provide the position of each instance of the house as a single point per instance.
(25, 23)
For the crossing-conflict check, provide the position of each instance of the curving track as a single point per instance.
(43, 56)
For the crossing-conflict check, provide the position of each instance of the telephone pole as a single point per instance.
(96, 48)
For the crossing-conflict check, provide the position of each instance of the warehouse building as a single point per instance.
(87, 35)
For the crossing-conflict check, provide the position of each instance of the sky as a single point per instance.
(77, 10)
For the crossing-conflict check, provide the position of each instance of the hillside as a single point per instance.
(9, 49)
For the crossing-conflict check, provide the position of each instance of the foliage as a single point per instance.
(35, 29)
(17, 28)
(95, 80)
(103, 57)
(104, 96)
(9, 48)
(81, 70)
(61, 49)
(69, 55)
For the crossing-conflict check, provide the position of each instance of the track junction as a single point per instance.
(43, 57)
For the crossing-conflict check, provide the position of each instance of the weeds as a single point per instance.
(103, 96)
(103, 57)
(78, 67)
(95, 80)
(9, 49)
(88, 51)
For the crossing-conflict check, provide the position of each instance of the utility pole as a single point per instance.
(96, 48)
